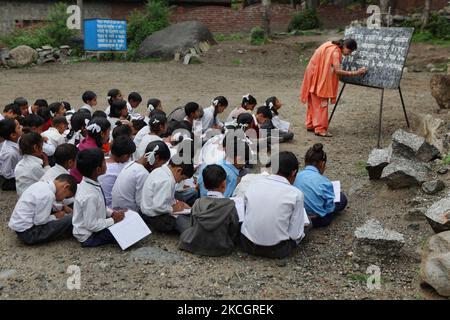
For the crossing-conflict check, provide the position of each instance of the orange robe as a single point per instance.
(320, 83)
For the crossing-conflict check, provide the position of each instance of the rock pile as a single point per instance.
(438, 215)
(50, 54)
(404, 163)
(23, 56)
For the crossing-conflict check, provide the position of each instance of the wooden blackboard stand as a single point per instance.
(381, 109)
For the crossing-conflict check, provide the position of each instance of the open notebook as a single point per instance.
(130, 230)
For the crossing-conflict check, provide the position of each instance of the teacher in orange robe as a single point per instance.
(321, 82)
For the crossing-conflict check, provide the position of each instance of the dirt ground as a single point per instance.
(321, 268)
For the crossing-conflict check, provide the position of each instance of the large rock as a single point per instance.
(404, 173)
(435, 267)
(23, 56)
(4, 55)
(432, 129)
(433, 186)
(372, 239)
(178, 37)
(438, 215)
(412, 146)
(440, 90)
(378, 160)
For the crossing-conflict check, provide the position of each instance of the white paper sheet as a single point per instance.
(337, 190)
(185, 211)
(130, 230)
(240, 207)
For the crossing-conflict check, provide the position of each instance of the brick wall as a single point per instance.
(404, 6)
(227, 20)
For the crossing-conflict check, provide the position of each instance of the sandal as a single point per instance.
(310, 129)
(324, 134)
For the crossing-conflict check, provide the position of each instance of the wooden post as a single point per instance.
(266, 17)
(426, 14)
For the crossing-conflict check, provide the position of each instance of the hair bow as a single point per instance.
(86, 122)
(93, 127)
(150, 108)
(109, 97)
(155, 121)
(215, 102)
(52, 114)
(150, 156)
(246, 97)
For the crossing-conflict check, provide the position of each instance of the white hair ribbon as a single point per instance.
(150, 156)
(243, 125)
(215, 102)
(150, 107)
(94, 128)
(108, 97)
(155, 121)
(52, 114)
(86, 122)
(246, 97)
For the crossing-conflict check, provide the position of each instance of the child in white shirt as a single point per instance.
(55, 133)
(34, 163)
(91, 218)
(10, 131)
(127, 190)
(209, 119)
(90, 100)
(158, 126)
(121, 150)
(33, 219)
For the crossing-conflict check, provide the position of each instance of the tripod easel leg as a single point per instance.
(337, 101)
(380, 119)
(403, 105)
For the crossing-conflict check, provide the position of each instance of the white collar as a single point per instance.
(214, 194)
(29, 157)
(92, 182)
(60, 168)
(167, 170)
(278, 178)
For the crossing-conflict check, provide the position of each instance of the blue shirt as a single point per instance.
(318, 191)
(232, 179)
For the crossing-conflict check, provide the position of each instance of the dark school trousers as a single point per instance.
(99, 238)
(8, 184)
(167, 223)
(320, 222)
(280, 250)
(51, 231)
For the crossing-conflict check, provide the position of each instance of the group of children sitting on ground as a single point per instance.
(78, 171)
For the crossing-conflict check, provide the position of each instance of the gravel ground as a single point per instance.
(321, 268)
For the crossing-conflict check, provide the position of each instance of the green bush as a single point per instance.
(54, 32)
(142, 24)
(257, 36)
(439, 26)
(305, 20)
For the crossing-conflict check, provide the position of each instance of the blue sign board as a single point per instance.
(105, 35)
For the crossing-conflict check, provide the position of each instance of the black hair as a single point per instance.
(65, 152)
(14, 107)
(45, 113)
(287, 163)
(155, 112)
(265, 111)
(163, 150)
(28, 141)
(154, 102)
(244, 119)
(54, 107)
(238, 145)
(219, 101)
(86, 111)
(99, 114)
(104, 125)
(173, 126)
(178, 159)
(349, 43)
(138, 124)
(187, 169)
(67, 106)
(21, 102)
(134, 96)
(190, 108)
(315, 155)
(89, 160)
(116, 107)
(122, 130)
(213, 176)
(41, 103)
(112, 94)
(78, 122)
(156, 122)
(33, 121)
(270, 103)
(58, 120)
(248, 99)
(70, 180)
(7, 128)
(123, 145)
(88, 96)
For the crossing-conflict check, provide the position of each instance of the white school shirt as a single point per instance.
(246, 181)
(87, 107)
(54, 137)
(89, 210)
(29, 170)
(34, 207)
(48, 148)
(108, 179)
(1, 117)
(281, 125)
(127, 190)
(54, 172)
(158, 193)
(267, 223)
(140, 150)
(208, 118)
(141, 134)
(9, 158)
(129, 108)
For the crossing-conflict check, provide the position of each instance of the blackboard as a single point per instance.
(382, 51)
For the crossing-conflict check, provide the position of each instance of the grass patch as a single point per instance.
(227, 37)
(236, 62)
(446, 160)
(360, 166)
(308, 45)
(151, 59)
(427, 37)
(359, 277)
